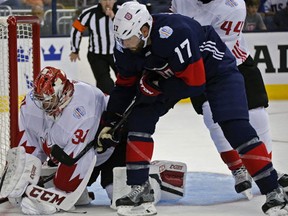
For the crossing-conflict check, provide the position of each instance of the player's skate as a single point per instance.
(283, 181)
(276, 203)
(243, 182)
(139, 202)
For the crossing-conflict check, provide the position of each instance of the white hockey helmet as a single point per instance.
(129, 20)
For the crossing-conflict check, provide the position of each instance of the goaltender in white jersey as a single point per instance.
(227, 18)
(56, 112)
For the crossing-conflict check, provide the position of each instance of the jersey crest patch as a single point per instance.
(165, 32)
(79, 112)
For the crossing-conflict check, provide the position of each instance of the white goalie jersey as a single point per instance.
(75, 128)
(72, 130)
(226, 16)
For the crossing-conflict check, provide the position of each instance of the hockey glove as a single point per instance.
(149, 84)
(105, 140)
(107, 136)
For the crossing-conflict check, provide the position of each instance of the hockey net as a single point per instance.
(19, 57)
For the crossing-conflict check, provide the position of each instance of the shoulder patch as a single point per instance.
(231, 3)
(165, 32)
(79, 112)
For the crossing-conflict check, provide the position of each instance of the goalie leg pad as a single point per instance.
(172, 178)
(57, 198)
(23, 169)
(34, 207)
(167, 179)
(84, 199)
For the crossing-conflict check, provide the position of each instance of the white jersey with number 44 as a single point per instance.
(226, 16)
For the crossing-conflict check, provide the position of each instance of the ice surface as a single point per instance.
(182, 136)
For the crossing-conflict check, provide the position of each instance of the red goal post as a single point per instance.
(19, 65)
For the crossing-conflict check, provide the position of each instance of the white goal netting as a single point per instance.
(23, 58)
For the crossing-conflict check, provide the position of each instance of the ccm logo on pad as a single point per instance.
(46, 196)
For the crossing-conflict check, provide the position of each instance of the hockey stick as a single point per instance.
(62, 157)
(59, 154)
(3, 176)
(4, 199)
(123, 119)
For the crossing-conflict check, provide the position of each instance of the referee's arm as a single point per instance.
(75, 38)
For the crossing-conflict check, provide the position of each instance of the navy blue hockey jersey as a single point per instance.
(187, 55)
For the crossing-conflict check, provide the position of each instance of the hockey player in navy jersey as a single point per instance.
(161, 63)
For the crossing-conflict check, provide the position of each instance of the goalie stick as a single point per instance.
(59, 154)
(62, 157)
(4, 199)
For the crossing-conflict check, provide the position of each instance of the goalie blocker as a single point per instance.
(167, 178)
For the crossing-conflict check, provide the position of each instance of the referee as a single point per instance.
(98, 20)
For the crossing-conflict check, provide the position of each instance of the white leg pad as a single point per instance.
(167, 178)
(34, 207)
(84, 199)
(23, 169)
(172, 175)
(120, 188)
(57, 198)
(47, 171)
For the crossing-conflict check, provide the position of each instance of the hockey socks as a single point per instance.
(257, 161)
(231, 159)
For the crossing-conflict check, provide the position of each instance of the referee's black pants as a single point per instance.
(100, 65)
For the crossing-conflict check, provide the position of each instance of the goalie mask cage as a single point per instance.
(19, 65)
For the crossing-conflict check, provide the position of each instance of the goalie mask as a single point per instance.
(129, 20)
(52, 91)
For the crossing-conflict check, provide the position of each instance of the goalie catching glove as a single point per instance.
(108, 137)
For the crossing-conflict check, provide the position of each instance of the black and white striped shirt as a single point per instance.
(100, 27)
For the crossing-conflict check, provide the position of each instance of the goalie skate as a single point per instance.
(243, 182)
